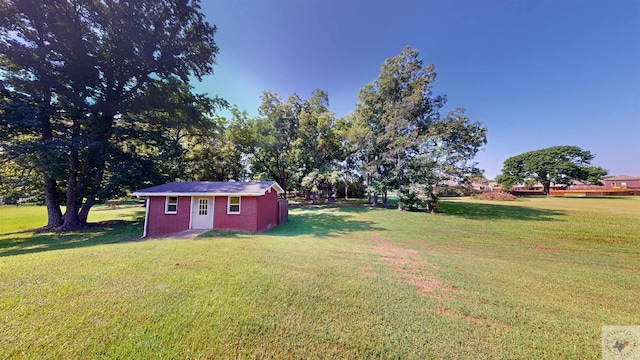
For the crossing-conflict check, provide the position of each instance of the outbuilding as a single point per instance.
(243, 206)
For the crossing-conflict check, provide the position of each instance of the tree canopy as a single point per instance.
(94, 86)
(556, 164)
(407, 145)
(96, 102)
(294, 142)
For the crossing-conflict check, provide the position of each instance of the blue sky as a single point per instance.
(536, 73)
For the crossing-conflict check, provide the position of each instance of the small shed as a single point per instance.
(243, 206)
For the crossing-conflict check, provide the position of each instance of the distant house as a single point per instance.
(243, 206)
(537, 187)
(494, 185)
(622, 181)
(583, 185)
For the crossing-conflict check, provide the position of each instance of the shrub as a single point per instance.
(496, 195)
(418, 197)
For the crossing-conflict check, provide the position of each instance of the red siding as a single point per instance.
(631, 184)
(267, 211)
(245, 221)
(257, 213)
(159, 223)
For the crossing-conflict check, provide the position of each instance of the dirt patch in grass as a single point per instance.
(410, 267)
(368, 270)
(545, 249)
(455, 314)
(476, 319)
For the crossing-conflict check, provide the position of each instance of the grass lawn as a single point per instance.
(535, 278)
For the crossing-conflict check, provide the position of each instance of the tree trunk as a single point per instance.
(368, 190)
(546, 185)
(346, 190)
(315, 200)
(54, 213)
(283, 182)
(91, 197)
(71, 219)
(94, 165)
(73, 201)
(399, 180)
(97, 180)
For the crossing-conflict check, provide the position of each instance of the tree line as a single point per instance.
(96, 102)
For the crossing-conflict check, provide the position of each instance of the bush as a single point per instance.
(417, 198)
(496, 195)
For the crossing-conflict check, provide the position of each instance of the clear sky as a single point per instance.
(536, 73)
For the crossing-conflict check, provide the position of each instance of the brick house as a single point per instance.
(243, 206)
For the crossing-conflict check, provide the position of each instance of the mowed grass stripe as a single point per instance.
(518, 280)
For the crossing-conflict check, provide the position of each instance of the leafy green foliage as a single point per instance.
(75, 73)
(294, 142)
(213, 158)
(556, 164)
(268, 140)
(408, 146)
(417, 196)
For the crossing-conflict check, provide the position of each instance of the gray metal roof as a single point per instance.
(210, 188)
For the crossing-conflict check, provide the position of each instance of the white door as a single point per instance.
(202, 213)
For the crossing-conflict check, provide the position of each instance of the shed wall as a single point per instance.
(257, 213)
(267, 211)
(245, 221)
(159, 223)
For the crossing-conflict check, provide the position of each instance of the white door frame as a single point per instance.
(195, 206)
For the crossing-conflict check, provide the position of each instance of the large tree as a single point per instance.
(553, 165)
(318, 145)
(268, 140)
(409, 147)
(211, 155)
(75, 73)
(350, 135)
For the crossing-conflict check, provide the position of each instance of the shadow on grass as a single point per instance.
(323, 224)
(221, 233)
(482, 211)
(357, 206)
(102, 233)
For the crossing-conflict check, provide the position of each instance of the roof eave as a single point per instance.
(277, 187)
(147, 194)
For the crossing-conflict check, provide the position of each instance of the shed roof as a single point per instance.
(622, 177)
(210, 188)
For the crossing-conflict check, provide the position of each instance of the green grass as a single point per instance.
(535, 278)
(116, 224)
